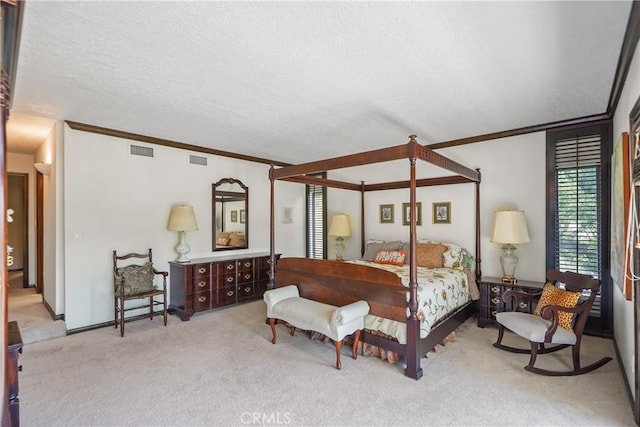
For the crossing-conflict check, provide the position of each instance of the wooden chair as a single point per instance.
(135, 281)
(544, 326)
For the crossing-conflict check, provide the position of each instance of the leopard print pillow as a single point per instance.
(554, 296)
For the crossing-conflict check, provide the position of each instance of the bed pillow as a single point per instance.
(222, 241)
(554, 296)
(390, 257)
(372, 249)
(454, 256)
(236, 239)
(430, 255)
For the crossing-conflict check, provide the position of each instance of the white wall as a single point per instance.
(622, 309)
(513, 177)
(23, 163)
(117, 201)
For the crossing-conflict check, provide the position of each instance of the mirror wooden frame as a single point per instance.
(224, 196)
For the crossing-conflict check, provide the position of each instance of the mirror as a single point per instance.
(230, 215)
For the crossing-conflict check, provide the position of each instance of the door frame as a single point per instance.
(25, 225)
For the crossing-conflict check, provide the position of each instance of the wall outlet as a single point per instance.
(77, 238)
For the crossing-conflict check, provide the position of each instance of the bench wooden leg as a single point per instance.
(338, 349)
(356, 340)
(293, 330)
(272, 323)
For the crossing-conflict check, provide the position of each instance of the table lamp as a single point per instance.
(340, 228)
(182, 219)
(509, 229)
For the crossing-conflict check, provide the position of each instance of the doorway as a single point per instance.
(18, 229)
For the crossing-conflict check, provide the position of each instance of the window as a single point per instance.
(316, 220)
(577, 218)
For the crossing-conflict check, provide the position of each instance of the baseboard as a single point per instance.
(626, 381)
(111, 323)
(53, 314)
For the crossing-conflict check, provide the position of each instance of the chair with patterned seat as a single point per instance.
(559, 319)
(136, 281)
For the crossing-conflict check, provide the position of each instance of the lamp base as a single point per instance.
(182, 248)
(510, 280)
(339, 248)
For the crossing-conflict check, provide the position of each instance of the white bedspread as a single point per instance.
(440, 291)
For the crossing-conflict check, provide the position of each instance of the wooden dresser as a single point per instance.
(491, 291)
(15, 348)
(206, 283)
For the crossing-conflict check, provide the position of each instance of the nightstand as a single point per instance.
(491, 291)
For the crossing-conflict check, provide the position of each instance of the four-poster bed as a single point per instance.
(340, 283)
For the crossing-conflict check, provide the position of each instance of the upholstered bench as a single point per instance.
(335, 322)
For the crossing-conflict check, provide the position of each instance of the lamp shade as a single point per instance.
(510, 227)
(182, 218)
(340, 226)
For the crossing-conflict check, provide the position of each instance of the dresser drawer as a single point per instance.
(229, 267)
(228, 295)
(201, 284)
(245, 277)
(228, 280)
(245, 291)
(201, 301)
(201, 270)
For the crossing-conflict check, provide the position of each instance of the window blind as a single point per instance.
(578, 233)
(316, 223)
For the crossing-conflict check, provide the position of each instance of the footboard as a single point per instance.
(340, 283)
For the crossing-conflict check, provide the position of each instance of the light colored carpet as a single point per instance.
(220, 368)
(34, 321)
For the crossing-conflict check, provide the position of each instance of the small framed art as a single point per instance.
(442, 212)
(406, 210)
(386, 214)
(242, 218)
(234, 216)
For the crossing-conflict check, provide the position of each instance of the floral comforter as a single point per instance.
(440, 291)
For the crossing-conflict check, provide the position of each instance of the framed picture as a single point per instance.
(242, 216)
(234, 216)
(386, 214)
(442, 212)
(406, 211)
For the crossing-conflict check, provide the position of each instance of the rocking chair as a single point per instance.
(558, 319)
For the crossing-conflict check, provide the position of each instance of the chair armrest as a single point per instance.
(517, 297)
(274, 296)
(349, 313)
(163, 273)
(550, 312)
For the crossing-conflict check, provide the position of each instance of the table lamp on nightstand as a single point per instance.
(509, 229)
(340, 228)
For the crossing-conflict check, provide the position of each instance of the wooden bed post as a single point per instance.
(362, 246)
(272, 240)
(478, 268)
(412, 356)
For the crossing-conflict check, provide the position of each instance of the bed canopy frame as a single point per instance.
(412, 151)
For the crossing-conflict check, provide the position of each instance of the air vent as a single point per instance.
(137, 150)
(197, 160)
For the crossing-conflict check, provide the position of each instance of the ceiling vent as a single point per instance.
(197, 160)
(137, 150)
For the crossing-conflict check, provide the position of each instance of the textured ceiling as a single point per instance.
(300, 81)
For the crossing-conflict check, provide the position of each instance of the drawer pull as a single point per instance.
(495, 300)
(230, 293)
(493, 313)
(495, 289)
(202, 299)
(202, 270)
(269, 261)
(229, 279)
(229, 266)
(247, 276)
(202, 283)
(247, 264)
(247, 289)
(523, 305)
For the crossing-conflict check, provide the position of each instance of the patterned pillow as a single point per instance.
(236, 239)
(554, 296)
(454, 256)
(137, 279)
(430, 254)
(372, 249)
(222, 241)
(390, 257)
